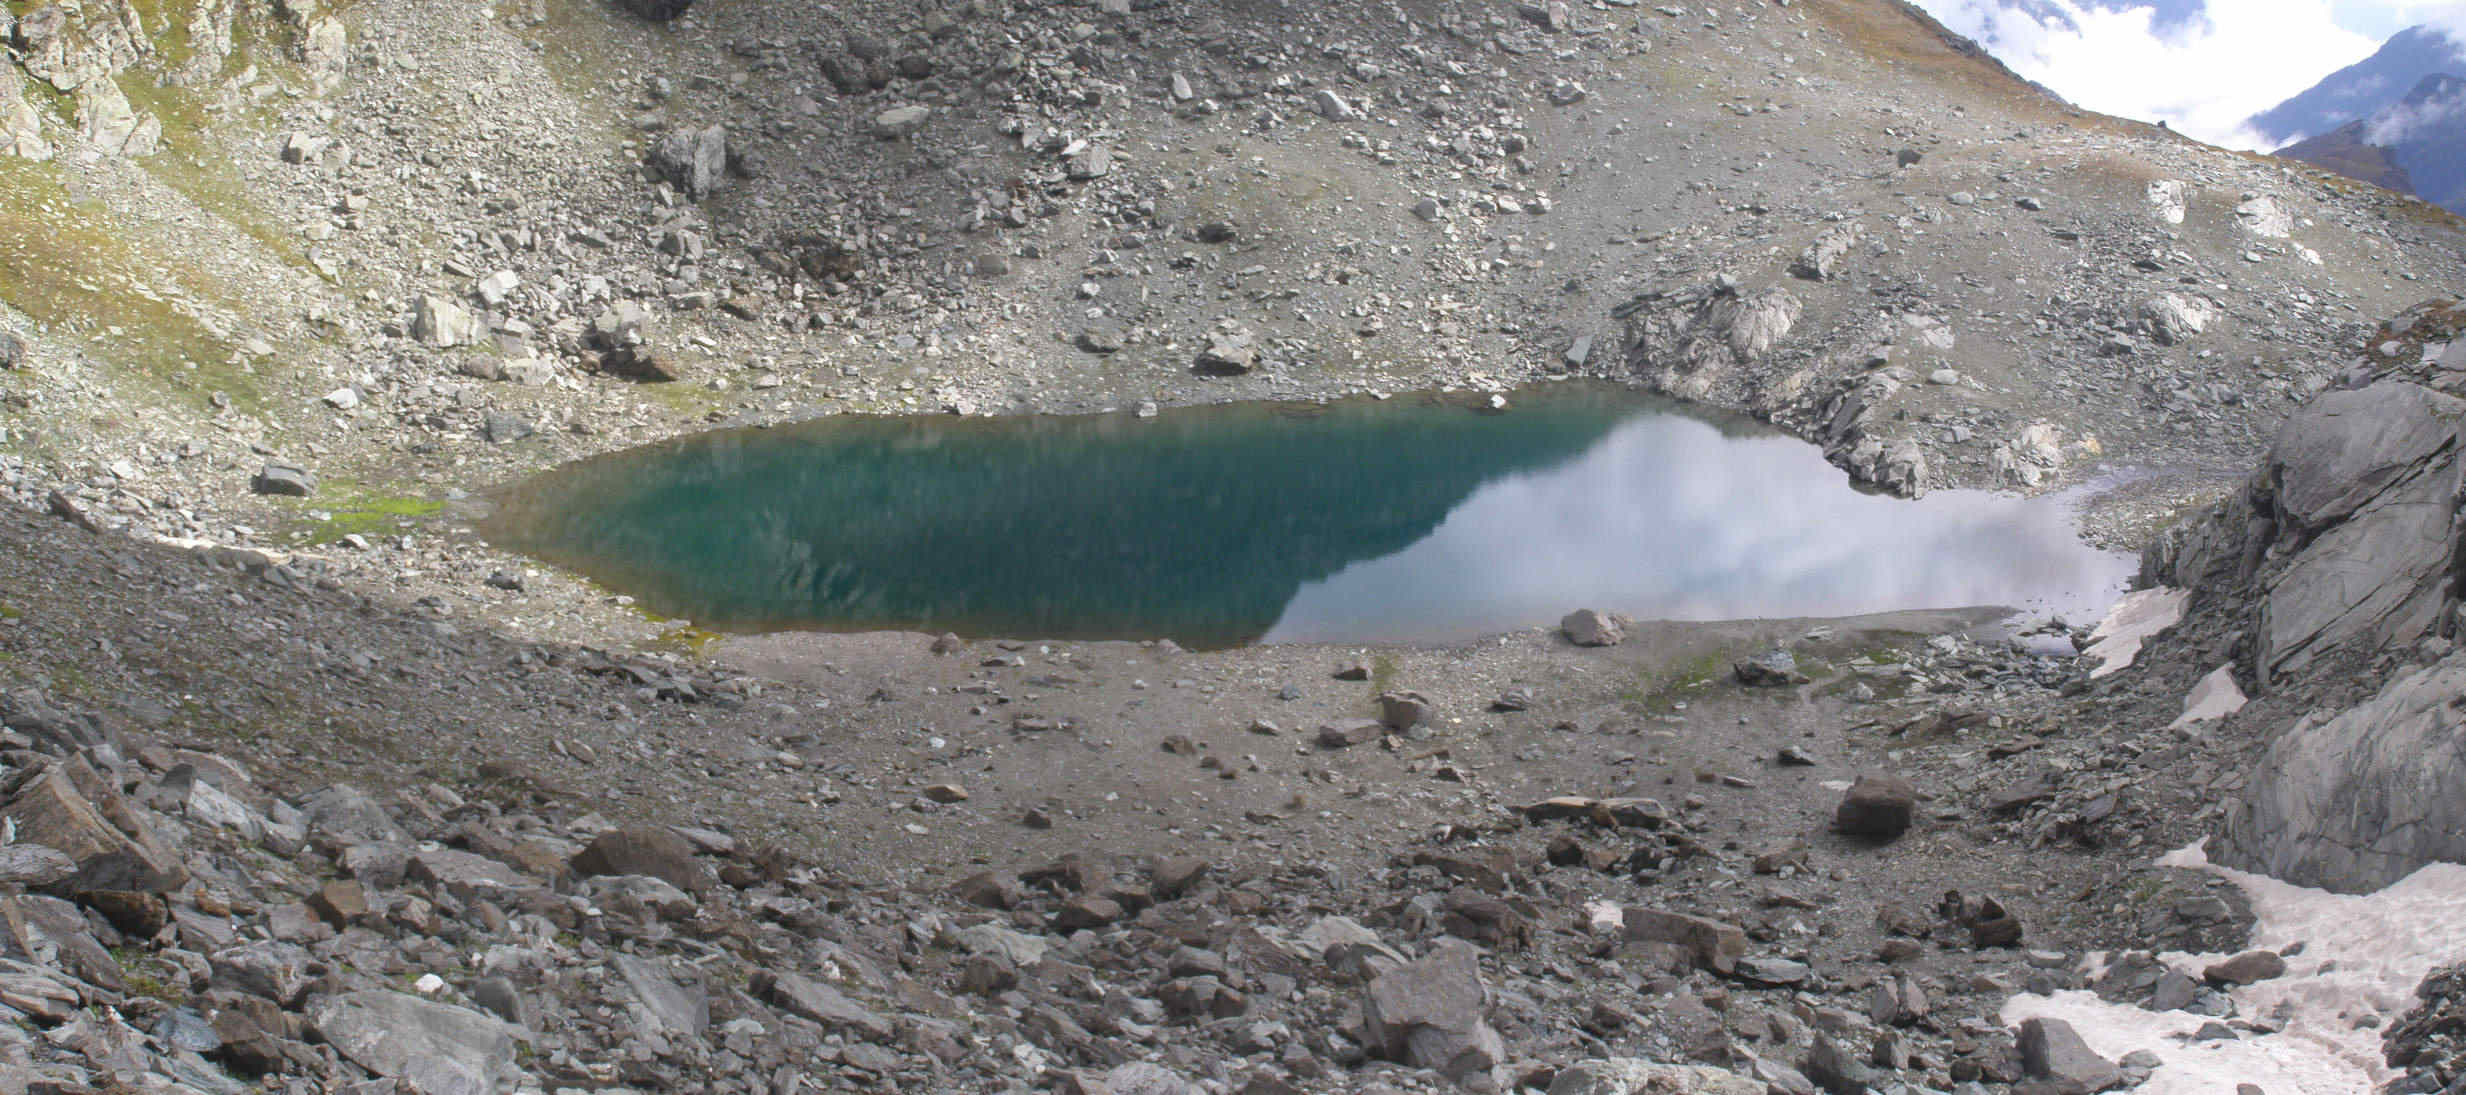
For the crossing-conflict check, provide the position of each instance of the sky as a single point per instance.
(2204, 78)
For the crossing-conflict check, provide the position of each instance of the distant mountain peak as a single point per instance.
(2391, 74)
(2415, 143)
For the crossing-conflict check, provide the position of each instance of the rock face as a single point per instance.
(2358, 801)
(2352, 512)
(2343, 546)
(1687, 341)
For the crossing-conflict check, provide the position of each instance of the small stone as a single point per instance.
(946, 793)
(283, 479)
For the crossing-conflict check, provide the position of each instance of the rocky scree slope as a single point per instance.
(412, 251)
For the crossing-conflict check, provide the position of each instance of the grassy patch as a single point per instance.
(327, 521)
(688, 640)
(1658, 690)
(65, 264)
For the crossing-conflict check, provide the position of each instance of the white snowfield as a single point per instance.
(2362, 958)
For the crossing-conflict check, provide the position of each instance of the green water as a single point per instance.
(1416, 519)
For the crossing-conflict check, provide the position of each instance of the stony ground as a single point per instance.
(416, 251)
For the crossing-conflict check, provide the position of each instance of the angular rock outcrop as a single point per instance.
(2345, 538)
(69, 807)
(1685, 342)
(2358, 801)
(1432, 1014)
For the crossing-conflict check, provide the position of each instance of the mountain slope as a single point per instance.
(2414, 146)
(2366, 87)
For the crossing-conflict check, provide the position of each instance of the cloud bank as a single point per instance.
(2204, 78)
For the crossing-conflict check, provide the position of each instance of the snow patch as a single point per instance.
(2130, 623)
(2362, 957)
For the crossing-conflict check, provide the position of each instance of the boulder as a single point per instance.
(1401, 711)
(2173, 319)
(2052, 1051)
(1585, 627)
(1711, 944)
(439, 321)
(1228, 353)
(1773, 668)
(819, 1002)
(68, 807)
(644, 850)
(2354, 802)
(661, 1003)
(1432, 1014)
(1822, 259)
(1879, 807)
(426, 1048)
(2247, 968)
(283, 479)
(693, 160)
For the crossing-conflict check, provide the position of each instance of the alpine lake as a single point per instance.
(1418, 520)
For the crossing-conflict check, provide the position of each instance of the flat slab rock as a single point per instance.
(426, 1047)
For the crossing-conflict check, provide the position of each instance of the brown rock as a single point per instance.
(1080, 913)
(644, 850)
(340, 903)
(1175, 874)
(2246, 968)
(84, 819)
(1713, 944)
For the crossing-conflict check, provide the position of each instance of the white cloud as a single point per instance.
(2204, 79)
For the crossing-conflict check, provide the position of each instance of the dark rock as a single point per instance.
(2051, 1050)
(1772, 669)
(1878, 807)
(657, 11)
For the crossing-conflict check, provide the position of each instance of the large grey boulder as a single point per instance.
(2376, 578)
(2358, 801)
(695, 160)
(1433, 1014)
(2344, 540)
(426, 1048)
(2053, 1052)
(2343, 449)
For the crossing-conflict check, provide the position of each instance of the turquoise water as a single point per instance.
(1409, 520)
